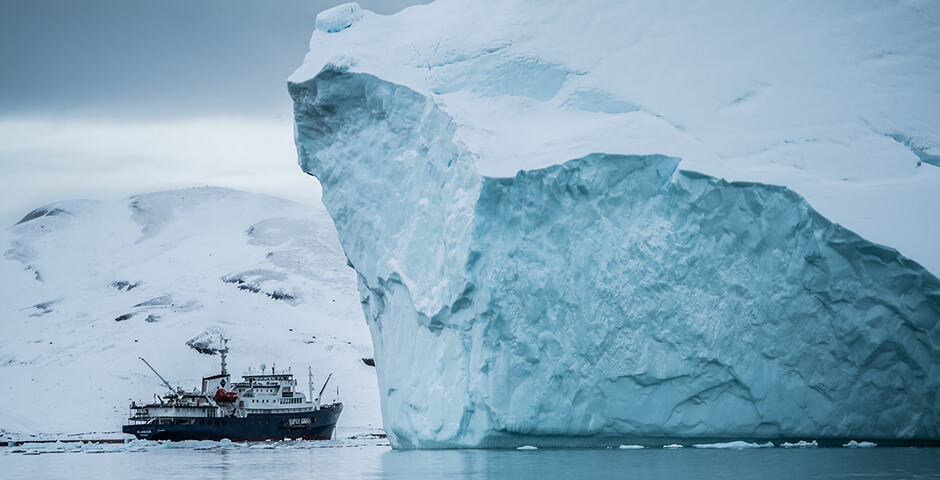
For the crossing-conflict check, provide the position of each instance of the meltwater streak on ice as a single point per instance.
(610, 298)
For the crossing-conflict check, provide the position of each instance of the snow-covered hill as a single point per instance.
(89, 286)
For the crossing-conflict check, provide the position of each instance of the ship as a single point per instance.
(265, 406)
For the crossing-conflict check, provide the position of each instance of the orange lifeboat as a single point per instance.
(223, 396)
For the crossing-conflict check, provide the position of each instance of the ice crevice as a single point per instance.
(609, 297)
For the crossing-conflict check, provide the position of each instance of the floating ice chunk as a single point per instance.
(800, 444)
(339, 17)
(672, 445)
(527, 447)
(631, 447)
(854, 444)
(738, 445)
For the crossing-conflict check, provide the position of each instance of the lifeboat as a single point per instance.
(223, 396)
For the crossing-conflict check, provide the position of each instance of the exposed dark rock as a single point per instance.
(43, 212)
(125, 285)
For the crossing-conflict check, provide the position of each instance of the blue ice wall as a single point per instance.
(612, 298)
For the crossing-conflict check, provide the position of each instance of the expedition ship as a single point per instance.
(260, 407)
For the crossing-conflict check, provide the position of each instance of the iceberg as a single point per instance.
(800, 444)
(736, 445)
(550, 286)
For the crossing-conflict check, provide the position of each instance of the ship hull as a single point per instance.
(313, 425)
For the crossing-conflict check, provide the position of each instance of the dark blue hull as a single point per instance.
(317, 425)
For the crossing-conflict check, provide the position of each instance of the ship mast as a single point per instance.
(223, 351)
(310, 384)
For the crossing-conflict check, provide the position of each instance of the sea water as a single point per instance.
(374, 458)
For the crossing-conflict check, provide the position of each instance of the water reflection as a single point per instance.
(766, 464)
(361, 459)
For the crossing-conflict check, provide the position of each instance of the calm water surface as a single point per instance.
(371, 459)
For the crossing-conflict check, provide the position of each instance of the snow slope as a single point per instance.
(90, 286)
(633, 220)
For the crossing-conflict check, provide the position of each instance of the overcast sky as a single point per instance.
(103, 99)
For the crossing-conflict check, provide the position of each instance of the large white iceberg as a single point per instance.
(524, 289)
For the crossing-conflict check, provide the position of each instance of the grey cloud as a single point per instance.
(160, 58)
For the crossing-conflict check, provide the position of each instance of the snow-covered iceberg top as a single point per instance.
(338, 18)
(838, 102)
(547, 255)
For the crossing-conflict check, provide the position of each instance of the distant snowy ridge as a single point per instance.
(524, 290)
(90, 286)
